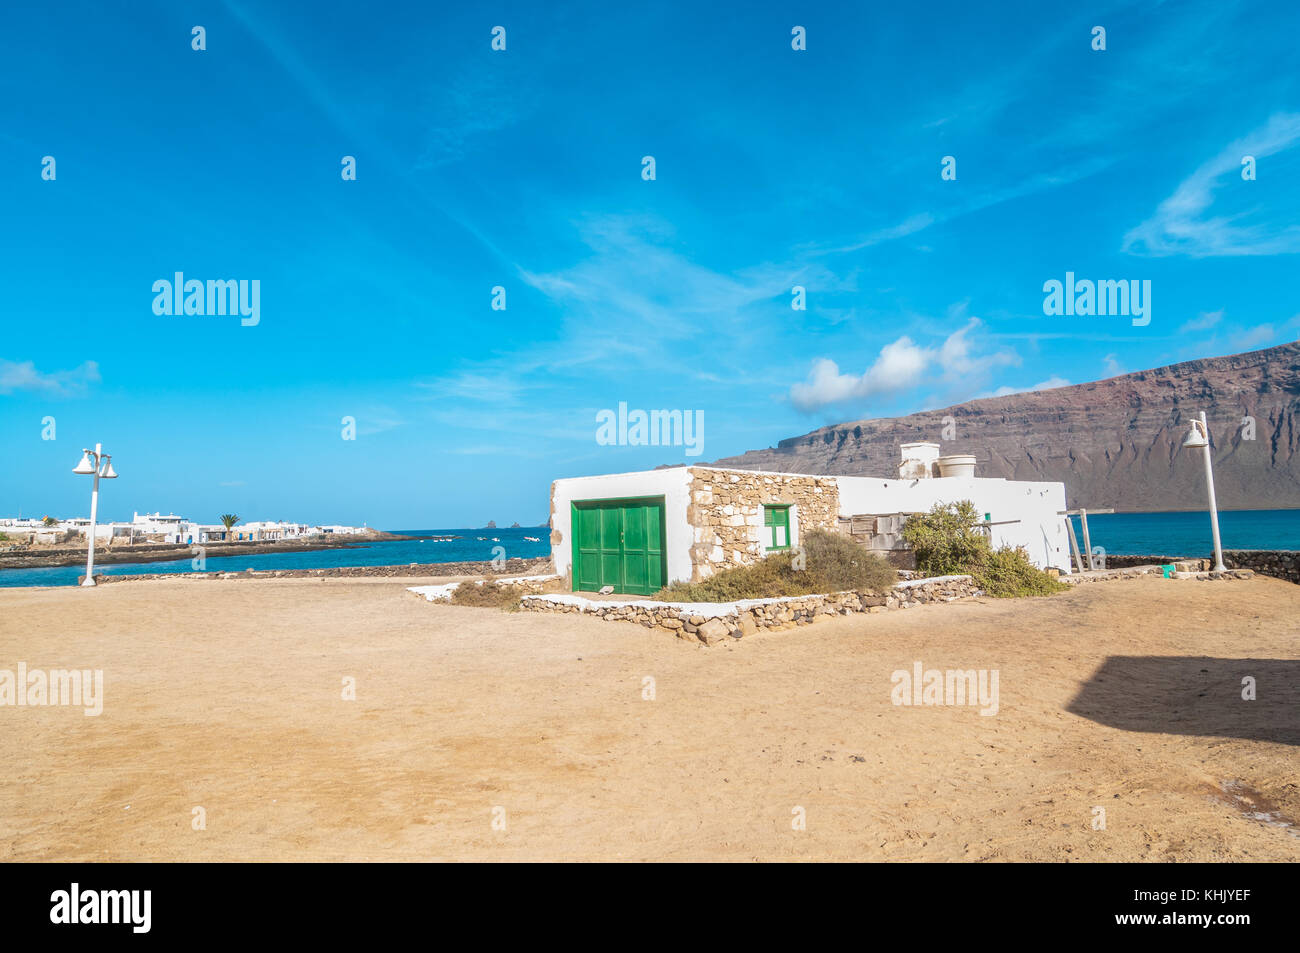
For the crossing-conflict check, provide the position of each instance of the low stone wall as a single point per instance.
(1128, 562)
(524, 584)
(1281, 563)
(1183, 569)
(512, 567)
(711, 622)
(1109, 573)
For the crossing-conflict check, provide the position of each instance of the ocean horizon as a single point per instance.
(1170, 533)
(469, 548)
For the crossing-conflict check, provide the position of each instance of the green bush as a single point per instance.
(1007, 573)
(823, 562)
(947, 541)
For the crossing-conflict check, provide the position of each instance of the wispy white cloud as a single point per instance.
(470, 108)
(24, 376)
(901, 365)
(1112, 366)
(909, 226)
(1202, 322)
(635, 274)
(453, 125)
(988, 198)
(1049, 384)
(1180, 225)
(1253, 338)
(482, 386)
(495, 450)
(638, 275)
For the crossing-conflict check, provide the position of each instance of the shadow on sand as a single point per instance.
(1195, 696)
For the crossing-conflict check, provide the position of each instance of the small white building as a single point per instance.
(270, 530)
(154, 523)
(641, 531)
(340, 530)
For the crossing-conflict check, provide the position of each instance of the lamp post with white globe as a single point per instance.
(100, 464)
(1199, 438)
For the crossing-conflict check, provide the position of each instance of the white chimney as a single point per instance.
(920, 461)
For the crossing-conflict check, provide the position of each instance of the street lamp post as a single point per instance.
(99, 464)
(1199, 436)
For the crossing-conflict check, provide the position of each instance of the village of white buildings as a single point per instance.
(159, 528)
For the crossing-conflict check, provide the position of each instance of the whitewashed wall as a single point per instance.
(673, 485)
(1040, 531)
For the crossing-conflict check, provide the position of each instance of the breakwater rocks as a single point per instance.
(510, 567)
(711, 622)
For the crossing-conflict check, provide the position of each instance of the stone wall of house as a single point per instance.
(726, 513)
(711, 623)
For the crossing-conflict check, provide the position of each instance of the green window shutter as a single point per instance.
(776, 527)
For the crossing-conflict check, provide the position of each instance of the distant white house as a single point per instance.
(640, 531)
(271, 530)
(152, 523)
(170, 528)
(342, 530)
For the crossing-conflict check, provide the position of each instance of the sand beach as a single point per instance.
(227, 696)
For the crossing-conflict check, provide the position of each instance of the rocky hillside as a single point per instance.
(1113, 443)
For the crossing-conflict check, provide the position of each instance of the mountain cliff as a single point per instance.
(1113, 443)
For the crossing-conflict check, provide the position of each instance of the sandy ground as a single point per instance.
(228, 696)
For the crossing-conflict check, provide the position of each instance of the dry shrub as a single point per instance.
(497, 595)
(490, 594)
(823, 562)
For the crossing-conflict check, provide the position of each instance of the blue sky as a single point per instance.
(523, 169)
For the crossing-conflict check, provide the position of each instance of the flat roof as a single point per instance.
(700, 466)
(814, 476)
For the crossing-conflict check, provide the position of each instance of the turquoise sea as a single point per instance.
(1156, 534)
(1188, 533)
(468, 548)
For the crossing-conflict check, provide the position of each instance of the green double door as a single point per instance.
(619, 543)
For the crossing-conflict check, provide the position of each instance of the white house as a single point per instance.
(154, 523)
(270, 530)
(641, 531)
